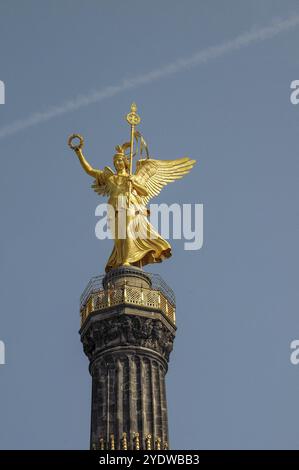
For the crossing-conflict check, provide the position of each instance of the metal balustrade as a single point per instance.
(96, 298)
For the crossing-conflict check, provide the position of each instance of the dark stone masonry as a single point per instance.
(128, 346)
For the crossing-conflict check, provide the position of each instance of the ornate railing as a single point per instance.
(95, 298)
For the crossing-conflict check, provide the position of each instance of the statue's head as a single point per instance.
(120, 160)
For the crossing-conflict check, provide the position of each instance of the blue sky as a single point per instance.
(230, 383)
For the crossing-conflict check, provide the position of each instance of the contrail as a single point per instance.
(201, 57)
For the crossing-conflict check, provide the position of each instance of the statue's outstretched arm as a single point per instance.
(85, 165)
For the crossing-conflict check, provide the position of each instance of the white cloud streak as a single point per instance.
(201, 57)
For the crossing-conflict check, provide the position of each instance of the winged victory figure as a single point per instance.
(136, 242)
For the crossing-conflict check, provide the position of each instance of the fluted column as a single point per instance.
(128, 347)
(128, 397)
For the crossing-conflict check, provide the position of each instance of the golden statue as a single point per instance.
(136, 242)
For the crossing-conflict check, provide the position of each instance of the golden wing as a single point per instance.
(155, 174)
(100, 185)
